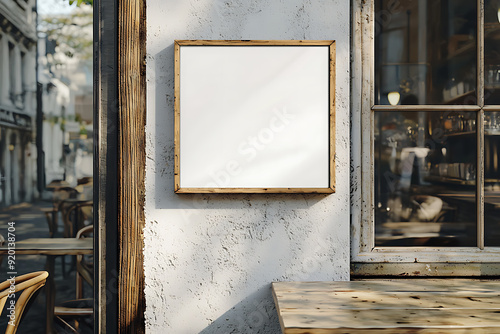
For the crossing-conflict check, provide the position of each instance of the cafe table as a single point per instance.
(50, 247)
(389, 306)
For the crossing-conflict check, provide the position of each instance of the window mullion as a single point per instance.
(480, 53)
(480, 179)
(480, 125)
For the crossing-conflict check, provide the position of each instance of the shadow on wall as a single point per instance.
(254, 314)
(163, 140)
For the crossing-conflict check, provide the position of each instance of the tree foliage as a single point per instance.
(79, 2)
(71, 33)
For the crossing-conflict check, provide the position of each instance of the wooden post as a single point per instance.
(131, 162)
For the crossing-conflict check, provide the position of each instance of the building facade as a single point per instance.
(17, 101)
(418, 124)
(65, 72)
(210, 258)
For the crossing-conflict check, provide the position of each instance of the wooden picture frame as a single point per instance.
(227, 90)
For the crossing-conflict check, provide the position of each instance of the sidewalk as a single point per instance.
(30, 222)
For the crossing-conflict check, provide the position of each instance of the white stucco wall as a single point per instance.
(210, 259)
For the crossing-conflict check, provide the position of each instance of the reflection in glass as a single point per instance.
(426, 51)
(492, 52)
(491, 179)
(425, 179)
(46, 154)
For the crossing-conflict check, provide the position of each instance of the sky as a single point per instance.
(54, 7)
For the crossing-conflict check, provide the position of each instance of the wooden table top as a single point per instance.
(51, 246)
(403, 306)
(77, 200)
(57, 184)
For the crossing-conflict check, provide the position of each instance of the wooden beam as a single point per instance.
(131, 164)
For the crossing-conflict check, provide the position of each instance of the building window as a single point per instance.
(12, 71)
(431, 131)
(24, 68)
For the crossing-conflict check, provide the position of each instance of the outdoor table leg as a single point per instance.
(50, 295)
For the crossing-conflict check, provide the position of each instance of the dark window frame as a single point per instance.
(119, 145)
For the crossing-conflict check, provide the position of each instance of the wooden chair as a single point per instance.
(74, 216)
(75, 310)
(29, 284)
(60, 194)
(85, 180)
(84, 265)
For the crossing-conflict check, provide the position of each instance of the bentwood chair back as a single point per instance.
(84, 265)
(27, 285)
(74, 217)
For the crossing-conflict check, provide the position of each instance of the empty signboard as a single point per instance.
(254, 116)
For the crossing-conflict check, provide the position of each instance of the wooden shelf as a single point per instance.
(467, 49)
(487, 132)
(459, 98)
(492, 30)
(492, 132)
(455, 134)
(450, 180)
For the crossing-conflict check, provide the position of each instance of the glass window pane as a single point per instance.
(46, 157)
(492, 52)
(425, 52)
(425, 179)
(491, 178)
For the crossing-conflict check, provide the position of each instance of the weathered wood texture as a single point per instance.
(449, 269)
(132, 116)
(255, 42)
(255, 190)
(409, 306)
(333, 76)
(177, 115)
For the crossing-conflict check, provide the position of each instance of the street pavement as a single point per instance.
(30, 222)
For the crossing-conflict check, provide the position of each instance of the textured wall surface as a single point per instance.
(210, 259)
